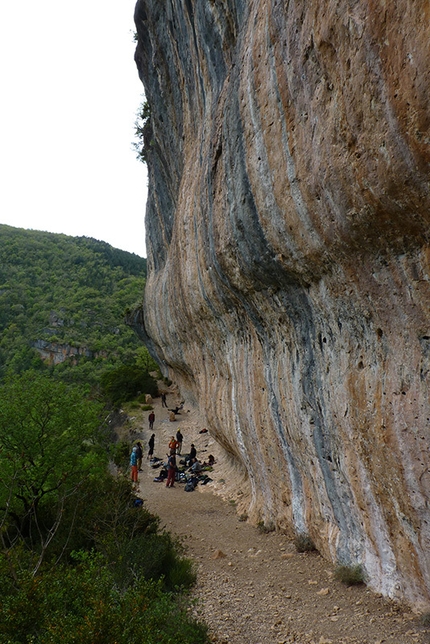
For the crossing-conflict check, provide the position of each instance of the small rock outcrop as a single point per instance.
(288, 260)
(56, 353)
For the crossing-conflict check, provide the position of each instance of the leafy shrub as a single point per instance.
(127, 536)
(303, 543)
(120, 453)
(143, 132)
(119, 579)
(350, 575)
(265, 528)
(92, 607)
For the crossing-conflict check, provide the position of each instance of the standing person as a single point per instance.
(151, 443)
(133, 463)
(171, 470)
(139, 453)
(151, 419)
(179, 439)
(163, 400)
(173, 444)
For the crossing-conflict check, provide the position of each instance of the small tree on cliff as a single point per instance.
(142, 131)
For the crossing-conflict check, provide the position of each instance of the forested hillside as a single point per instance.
(63, 299)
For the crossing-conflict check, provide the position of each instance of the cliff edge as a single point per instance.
(288, 260)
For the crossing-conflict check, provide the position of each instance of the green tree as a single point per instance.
(126, 382)
(143, 132)
(145, 360)
(50, 444)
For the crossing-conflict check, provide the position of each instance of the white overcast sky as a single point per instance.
(69, 96)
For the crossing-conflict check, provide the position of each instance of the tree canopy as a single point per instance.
(49, 445)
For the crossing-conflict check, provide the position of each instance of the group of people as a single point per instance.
(175, 449)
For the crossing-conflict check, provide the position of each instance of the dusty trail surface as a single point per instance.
(254, 587)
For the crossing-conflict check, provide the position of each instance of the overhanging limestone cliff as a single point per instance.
(288, 259)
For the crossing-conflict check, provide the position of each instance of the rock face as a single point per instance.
(288, 260)
(56, 353)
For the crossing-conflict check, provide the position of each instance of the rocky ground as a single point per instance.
(254, 587)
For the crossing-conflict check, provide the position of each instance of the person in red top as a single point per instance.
(151, 419)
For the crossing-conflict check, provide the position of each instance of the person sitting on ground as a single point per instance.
(177, 408)
(196, 466)
(211, 461)
(189, 457)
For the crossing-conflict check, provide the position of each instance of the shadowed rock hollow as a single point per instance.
(288, 260)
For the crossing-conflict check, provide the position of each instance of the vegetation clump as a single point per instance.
(143, 132)
(303, 543)
(265, 528)
(350, 575)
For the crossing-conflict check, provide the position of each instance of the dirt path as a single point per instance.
(255, 588)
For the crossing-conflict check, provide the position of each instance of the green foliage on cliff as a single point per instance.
(66, 296)
(143, 132)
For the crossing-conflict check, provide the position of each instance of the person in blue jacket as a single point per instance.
(133, 463)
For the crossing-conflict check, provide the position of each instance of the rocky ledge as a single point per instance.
(288, 260)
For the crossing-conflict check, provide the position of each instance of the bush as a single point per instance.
(120, 453)
(119, 579)
(304, 543)
(92, 608)
(266, 527)
(126, 535)
(350, 575)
